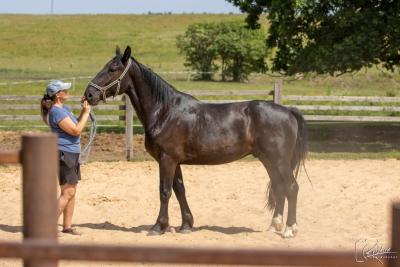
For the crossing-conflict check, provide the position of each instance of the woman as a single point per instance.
(61, 120)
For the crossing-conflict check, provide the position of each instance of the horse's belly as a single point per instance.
(218, 153)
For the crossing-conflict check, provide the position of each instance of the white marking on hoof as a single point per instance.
(290, 231)
(276, 224)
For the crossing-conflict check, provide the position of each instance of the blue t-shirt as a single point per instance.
(66, 142)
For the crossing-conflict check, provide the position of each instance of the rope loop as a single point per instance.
(91, 138)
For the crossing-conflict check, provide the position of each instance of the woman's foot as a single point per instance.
(71, 231)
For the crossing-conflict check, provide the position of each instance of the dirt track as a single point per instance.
(117, 203)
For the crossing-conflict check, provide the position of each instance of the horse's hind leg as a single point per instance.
(291, 188)
(179, 189)
(283, 185)
(276, 196)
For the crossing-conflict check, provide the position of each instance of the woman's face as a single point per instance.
(63, 94)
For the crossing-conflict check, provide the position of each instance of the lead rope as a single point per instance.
(94, 124)
(91, 138)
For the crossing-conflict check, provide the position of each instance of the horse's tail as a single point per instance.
(300, 151)
(299, 154)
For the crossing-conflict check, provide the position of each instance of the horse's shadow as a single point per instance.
(226, 230)
(140, 228)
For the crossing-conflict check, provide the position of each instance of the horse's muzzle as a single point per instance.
(91, 98)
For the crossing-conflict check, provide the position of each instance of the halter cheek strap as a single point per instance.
(118, 81)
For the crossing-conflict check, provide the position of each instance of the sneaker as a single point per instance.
(71, 231)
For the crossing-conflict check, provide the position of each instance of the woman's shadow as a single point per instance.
(10, 228)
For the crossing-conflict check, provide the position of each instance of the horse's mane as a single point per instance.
(159, 88)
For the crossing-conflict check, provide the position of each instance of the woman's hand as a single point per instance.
(85, 106)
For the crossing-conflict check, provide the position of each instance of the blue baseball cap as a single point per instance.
(55, 86)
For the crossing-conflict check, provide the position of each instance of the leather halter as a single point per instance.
(118, 81)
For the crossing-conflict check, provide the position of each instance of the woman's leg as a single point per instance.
(66, 203)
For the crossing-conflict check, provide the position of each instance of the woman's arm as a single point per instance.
(75, 129)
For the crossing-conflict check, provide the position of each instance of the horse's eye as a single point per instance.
(113, 69)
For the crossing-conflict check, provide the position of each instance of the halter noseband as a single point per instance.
(104, 89)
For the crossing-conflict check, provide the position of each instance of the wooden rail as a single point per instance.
(276, 97)
(45, 250)
(40, 246)
(129, 111)
(10, 157)
(370, 99)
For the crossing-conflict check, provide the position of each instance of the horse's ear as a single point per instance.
(117, 50)
(127, 53)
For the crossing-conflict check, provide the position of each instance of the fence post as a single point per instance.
(39, 159)
(278, 93)
(395, 262)
(128, 127)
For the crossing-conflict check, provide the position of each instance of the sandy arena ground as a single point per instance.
(117, 203)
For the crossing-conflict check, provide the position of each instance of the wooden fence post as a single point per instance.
(39, 158)
(128, 127)
(278, 93)
(395, 262)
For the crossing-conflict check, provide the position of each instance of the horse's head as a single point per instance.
(110, 80)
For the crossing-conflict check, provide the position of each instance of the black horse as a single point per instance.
(179, 129)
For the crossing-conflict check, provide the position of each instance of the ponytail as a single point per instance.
(45, 105)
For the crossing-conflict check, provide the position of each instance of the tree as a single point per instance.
(328, 37)
(240, 50)
(198, 45)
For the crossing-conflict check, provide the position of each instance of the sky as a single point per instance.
(43, 7)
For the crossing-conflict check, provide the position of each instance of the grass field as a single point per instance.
(35, 47)
(45, 47)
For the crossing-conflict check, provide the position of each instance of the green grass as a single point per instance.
(48, 47)
(45, 47)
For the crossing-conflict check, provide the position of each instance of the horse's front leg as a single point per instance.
(167, 168)
(179, 189)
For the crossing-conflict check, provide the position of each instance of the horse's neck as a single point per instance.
(144, 102)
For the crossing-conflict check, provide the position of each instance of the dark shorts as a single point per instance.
(70, 169)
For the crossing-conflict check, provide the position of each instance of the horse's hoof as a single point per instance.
(272, 229)
(185, 231)
(153, 233)
(287, 236)
(276, 224)
(290, 231)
